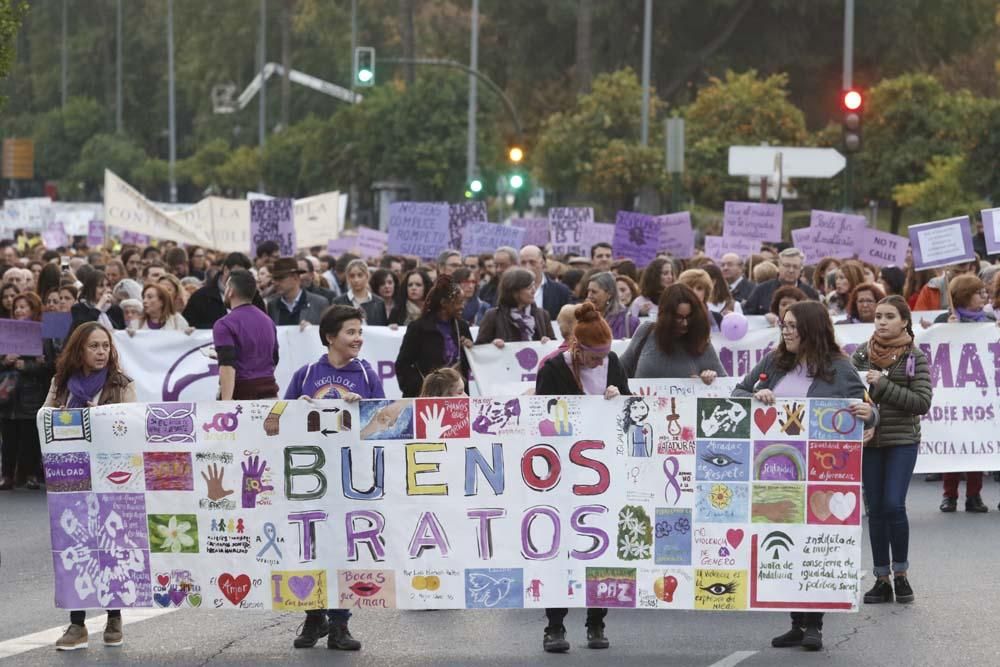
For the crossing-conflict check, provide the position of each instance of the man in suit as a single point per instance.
(291, 304)
(740, 286)
(549, 295)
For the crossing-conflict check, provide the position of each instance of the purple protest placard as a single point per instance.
(637, 237)
(56, 325)
(752, 221)
(597, 232)
(342, 245)
(536, 230)
(991, 230)
(460, 216)
(133, 238)
(816, 244)
(21, 337)
(840, 232)
(273, 220)
(487, 236)
(941, 243)
(882, 248)
(677, 234)
(54, 236)
(717, 246)
(566, 229)
(96, 233)
(372, 242)
(418, 228)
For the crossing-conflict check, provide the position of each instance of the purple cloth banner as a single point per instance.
(536, 230)
(96, 233)
(21, 337)
(566, 229)
(372, 242)
(752, 221)
(717, 246)
(460, 216)
(483, 237)
(418, 228)
(941, 243)
(991, 230)
(637, 237)
(273, 220)
(882, 248)
(677, 234)
(56, 325)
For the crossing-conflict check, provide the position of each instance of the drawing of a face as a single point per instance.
(638, 412)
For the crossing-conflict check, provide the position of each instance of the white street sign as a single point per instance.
(796, 162)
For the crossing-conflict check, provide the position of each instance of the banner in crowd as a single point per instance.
(456, 503)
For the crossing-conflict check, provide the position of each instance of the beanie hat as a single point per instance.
(131, 303)
(591, 332)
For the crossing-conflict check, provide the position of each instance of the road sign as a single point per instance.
(18, 159)
(796, 162)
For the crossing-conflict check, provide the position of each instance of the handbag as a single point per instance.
(8, 387)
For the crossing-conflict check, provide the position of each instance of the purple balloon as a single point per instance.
(734, 326)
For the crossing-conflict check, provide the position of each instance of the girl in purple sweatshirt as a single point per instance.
(338, 374)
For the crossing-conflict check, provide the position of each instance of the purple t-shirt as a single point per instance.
(450, 347)
(251, 333)
(795, 384)
(323, 380)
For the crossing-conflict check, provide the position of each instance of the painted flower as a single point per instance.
(720, 496)
(174, 535)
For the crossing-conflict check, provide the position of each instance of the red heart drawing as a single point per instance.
(235, 588)
(734, 536)
(764, 419)
(163, 579)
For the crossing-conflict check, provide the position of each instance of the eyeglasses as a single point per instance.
(867, 302)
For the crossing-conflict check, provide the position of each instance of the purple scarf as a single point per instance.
(971, 315)
(524, 321)
(84, 388)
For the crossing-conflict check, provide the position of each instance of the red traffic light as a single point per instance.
(852, 100)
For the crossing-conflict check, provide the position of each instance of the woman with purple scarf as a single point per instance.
(968, 298)
(517, 318)
(87, 375)
(603, 293)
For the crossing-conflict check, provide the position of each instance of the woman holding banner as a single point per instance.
(899, 381)
(516, 318)
(807, 363)
(587, 367)
(88, 374)
(969, 297)
(602, 292)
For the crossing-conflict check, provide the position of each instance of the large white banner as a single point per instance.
(460, 503)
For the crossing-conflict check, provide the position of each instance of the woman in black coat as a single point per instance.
(95, 304)
(516, 318)
(435, 340)
(587, 367)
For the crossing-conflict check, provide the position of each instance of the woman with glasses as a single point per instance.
(968, 297)
(807, 363)
(516, 317)
(861, 304)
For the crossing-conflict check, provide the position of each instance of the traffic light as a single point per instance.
(852, 104)
(516, 181)
(515, 154)
(364, 66)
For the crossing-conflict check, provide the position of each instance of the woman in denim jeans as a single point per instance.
(899, 382)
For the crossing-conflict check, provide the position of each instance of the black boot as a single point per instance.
(904, 593)
(791, 638)
(340, 639)
(948, 504)
(975, 504)
(315, 628)
(880, 592)
(812, 638)
(554, 640)
(596, 637)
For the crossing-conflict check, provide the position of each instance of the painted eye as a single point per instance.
(718, 459)
(720, 588)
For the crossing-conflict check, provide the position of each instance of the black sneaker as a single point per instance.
(791, 638)
(949, 504)
(315, 628)
(975, 504)
(903, 591)
(812, 639)
(554, 640)
(880, 592)
(340, 639)
(596, 637)
(933, 477)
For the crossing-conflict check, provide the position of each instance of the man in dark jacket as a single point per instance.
(291, 304)
(309, 281)
(205, 307)
(740, 286)
(549, 294)
(790, 262)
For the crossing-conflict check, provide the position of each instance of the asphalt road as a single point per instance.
(951, 623)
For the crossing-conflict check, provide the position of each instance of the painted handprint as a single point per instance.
(213, 480)
(791, 423)
(433, 417)
(253, 470)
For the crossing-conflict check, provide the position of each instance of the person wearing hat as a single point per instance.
(291, 304)
(589, 367)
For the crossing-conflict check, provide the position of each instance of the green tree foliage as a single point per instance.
(941, 194)
(738, 110)
(12, 12)
(105, 151)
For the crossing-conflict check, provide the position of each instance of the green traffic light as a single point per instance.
(476, 185)
(364, 75)
(516, 181)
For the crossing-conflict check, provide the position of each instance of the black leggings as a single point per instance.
(595, 616)
(78, 617)
(807, 619)
(20, 449)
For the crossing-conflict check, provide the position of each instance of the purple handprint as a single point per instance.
(253, 469)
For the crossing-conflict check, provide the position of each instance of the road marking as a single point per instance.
(95, 628)
(734, 659)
